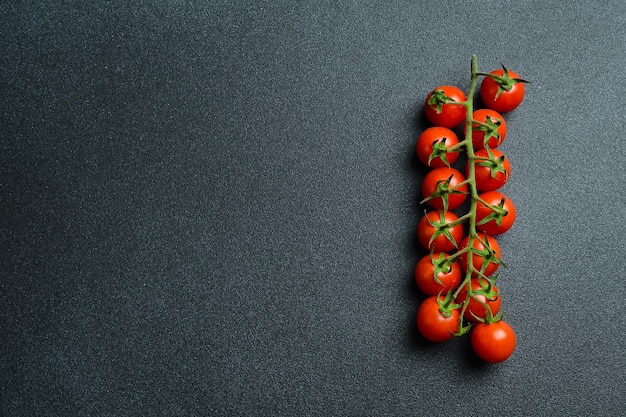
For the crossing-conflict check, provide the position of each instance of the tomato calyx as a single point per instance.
(489, 127)
(447, 304)
(504, 81)
(495, 164)
(441, 228)
(441, 264)
(487, 291)
(443, 191)
(440, 150)
(438, 98)
(487, 253)
(498, 213)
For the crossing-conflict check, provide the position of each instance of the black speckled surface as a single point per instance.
(209, 208)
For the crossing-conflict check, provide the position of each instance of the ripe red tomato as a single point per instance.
(440, 108)
(435, 231)
(483, 293)
(445, 185)
(434, 324)
(492, 172)
(494, 222)
(432, 147)
(448, 274)
(493, 342)
(492, 130)
(481, 254)
(505, 95)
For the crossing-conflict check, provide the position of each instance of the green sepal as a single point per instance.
(495, 165)
(443, 190)
(441, 228)
(437, 99)
(439, 150)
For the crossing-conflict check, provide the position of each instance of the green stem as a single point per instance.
(471, 182)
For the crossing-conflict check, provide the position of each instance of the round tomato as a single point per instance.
(448, 274)
(432, 147)
(441, 108)
(494, 342)
(496, 220)
(489, 128)
(504, 92)
(490, 171)
(490, 254)
(444, 188)
(435, 231)
(434, 324)
(484, 296)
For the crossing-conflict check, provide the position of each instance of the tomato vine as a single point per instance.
(473, 300)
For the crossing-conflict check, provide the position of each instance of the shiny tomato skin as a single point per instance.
(451, 114)
(441, 243)
(426, 140)
(434, 325)
(495, 198)
(475, 308)
(485, 181)
(425, 276)
(477, 260)
(478, 135)
(507, 100)
(494, 342)
(440, 175)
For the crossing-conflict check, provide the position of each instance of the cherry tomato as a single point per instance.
(445, 185)
(440, 108)
(502, 96)
(481, 254)
(492, 130)
(498, 221)
(483, 293)
(494, 342)
(492, 172)
(432, 147)
(435, 232)
(448, 273)
(434, 324)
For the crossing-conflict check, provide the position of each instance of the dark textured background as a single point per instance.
(208, 208)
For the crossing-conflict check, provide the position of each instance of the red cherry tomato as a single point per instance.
(427, 268)
(482, 254)
(493, 342)
(491, 129)
(494, 222)
(436, 232)
(434, 324)
(432, 147)
(446, 184)
(441, 108)
(490, 173)
(483, 294)
(505, 95)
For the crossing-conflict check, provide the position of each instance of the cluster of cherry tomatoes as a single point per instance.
(459, 273)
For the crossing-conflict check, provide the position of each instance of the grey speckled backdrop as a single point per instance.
(208, 208)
